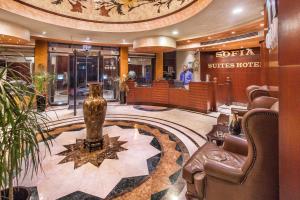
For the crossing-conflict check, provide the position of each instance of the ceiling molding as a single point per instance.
(249, 27)
(237, 44)
(89, 25)
(13, 34)
(154, 44)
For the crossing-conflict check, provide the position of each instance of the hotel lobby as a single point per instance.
(149, 100)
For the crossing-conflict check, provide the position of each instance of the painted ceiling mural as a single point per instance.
(111, 10)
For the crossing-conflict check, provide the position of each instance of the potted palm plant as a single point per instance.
(21, 130)
(41, 81)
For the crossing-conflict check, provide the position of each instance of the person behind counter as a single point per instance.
(186, 77)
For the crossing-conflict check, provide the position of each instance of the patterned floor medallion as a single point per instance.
(139, 161)
(79, 155)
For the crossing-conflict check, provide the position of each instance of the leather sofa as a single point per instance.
(240, 170)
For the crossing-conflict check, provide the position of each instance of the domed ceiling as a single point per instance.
(111, 11)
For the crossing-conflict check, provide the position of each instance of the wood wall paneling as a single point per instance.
(240, 77)
(160, 92)
(199, 97)
(289, 114)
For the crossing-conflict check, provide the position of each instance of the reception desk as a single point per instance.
(200, 96)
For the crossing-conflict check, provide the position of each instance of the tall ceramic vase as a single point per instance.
(94, 111)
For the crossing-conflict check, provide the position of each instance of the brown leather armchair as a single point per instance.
(239, 170)
(254, 91)
(259, 102)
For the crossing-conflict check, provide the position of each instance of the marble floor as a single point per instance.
(154, 145)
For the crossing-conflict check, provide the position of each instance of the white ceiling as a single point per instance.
(216, 17)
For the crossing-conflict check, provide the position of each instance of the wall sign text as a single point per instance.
(234, 65)
(240, 53)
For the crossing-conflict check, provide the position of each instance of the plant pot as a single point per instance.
(122, 97)
(41, 103)
(20, 193)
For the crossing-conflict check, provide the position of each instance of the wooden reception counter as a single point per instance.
(199, 97)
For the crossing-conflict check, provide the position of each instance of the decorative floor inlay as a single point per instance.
(80, 155)
(144, 162)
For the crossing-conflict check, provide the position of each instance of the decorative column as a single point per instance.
(159, 66)
(123, 61)
(41, 56)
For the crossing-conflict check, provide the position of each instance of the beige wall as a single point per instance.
(183, 58)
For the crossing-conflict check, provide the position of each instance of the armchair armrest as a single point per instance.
(240, 112)
(263, 102)
(236, 145)
(223, 172)
(258, 93)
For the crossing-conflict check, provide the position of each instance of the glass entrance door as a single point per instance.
(91, 66)
(84, 70)
(110, 74)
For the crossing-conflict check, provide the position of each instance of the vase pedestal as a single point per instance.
(93, 145)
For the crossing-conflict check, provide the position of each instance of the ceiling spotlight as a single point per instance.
(262, 25)
(44, 32)
(175, 32)
(189, 41)
(209, 37)
(233, 32)
(237, 11)
(88, 39)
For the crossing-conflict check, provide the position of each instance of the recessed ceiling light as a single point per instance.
(189, 41)
(262, 25)
(175, 32)
(233, 32)
(237, 10)
(209, 37)
(44, 32)
(87, 39)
